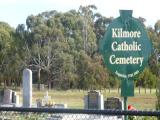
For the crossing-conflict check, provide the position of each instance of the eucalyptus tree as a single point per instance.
(100, 25)
(89, 37)
(6, 40)
(49, 42)
(38, 36)
(55, 42)
(157, 34)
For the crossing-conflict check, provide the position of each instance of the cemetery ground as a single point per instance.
(75, 98)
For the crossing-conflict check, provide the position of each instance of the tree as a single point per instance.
(147, 79)
(91, 73)
(89, 37)
(100, 25)
(157, 26)
(6, 39)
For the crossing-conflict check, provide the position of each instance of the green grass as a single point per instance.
(74, 98)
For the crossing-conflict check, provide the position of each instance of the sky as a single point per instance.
(15, 12)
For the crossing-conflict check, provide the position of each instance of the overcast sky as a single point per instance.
(15, 12)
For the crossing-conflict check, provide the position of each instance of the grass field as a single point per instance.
(74, 98)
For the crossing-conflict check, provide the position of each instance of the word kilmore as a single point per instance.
(119, 33)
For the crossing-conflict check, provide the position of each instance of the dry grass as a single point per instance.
(74, 99)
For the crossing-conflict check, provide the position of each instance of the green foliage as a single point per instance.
(114, 82)
(63, 45)
(91, 73)
(147, 79)
(62, 50)
(7, 55)
(157, 26)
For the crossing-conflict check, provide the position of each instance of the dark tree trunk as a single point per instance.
(39, 78)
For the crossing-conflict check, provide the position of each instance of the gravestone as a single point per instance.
(1, 95)
(7, 98)
(60, 106)
(27, 88)
(47, 98)
(15, 98)
(113, 103)
(94, 100)
(39, 103)
(13, 95)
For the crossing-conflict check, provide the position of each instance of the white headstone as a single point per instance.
(47, 98)
(7, 99)
(27, 88)
(94, 100)
(16, 100)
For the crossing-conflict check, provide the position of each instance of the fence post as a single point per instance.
(125, 107)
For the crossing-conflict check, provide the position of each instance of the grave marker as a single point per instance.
(94, 100)
(113, 103)
(27, 88)
(1, 95)
(7, 98)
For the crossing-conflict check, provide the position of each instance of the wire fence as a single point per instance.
(13, 113)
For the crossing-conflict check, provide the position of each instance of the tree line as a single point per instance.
(62, 50)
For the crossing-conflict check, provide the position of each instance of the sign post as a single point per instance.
(126, 48)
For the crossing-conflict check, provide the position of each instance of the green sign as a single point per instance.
(125, 46)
